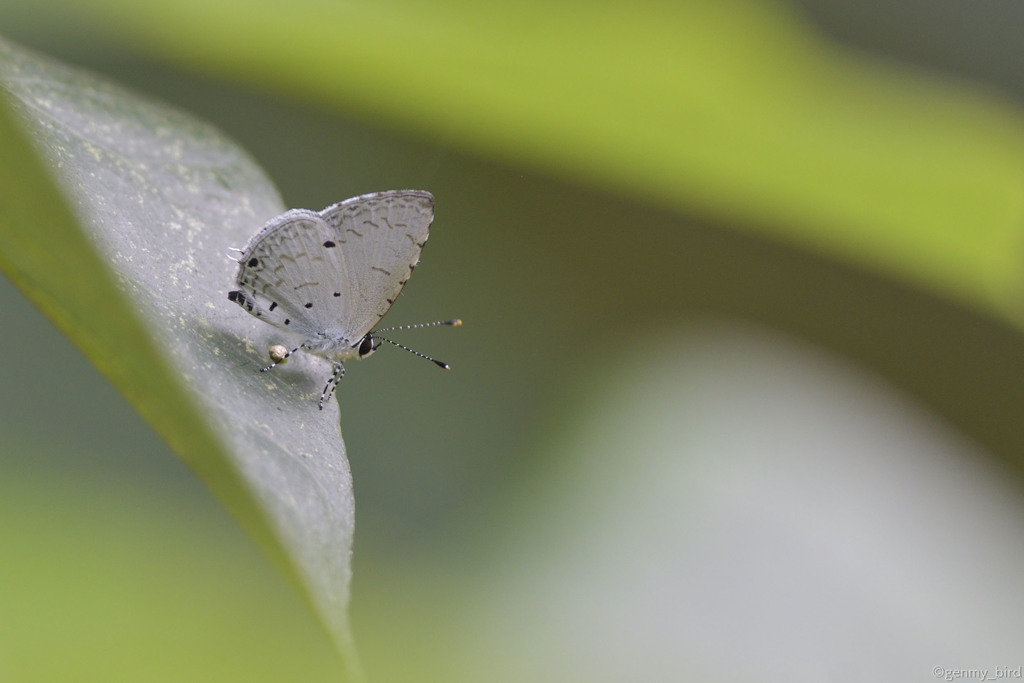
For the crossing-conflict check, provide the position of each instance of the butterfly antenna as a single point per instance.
(440, 364)
(454, 323)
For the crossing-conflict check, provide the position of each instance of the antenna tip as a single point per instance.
(455, 323)
(442, 365)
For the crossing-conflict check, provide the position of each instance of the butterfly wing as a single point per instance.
(290, 279)
(379, 237)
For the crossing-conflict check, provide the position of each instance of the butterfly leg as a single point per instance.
(332, 383)
(280, 360)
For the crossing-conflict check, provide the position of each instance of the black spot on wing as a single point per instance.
(242, 299)
(329, 244)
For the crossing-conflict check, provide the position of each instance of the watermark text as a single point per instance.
(995, 673)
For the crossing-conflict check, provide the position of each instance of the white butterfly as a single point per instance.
(329, 276)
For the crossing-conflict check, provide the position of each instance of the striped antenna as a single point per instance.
(454, 323)
(440, 364)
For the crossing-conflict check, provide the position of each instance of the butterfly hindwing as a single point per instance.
(285, 273)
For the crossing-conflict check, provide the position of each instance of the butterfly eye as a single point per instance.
(366, 346)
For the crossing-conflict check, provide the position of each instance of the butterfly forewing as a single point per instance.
(384, 234)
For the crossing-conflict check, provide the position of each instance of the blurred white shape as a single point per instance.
(742, 507)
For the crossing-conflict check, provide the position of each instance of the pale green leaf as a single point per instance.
(128, 253)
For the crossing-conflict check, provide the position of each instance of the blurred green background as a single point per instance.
(679, 390)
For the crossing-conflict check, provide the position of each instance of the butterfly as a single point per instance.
(330, 276)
